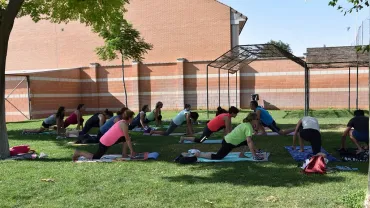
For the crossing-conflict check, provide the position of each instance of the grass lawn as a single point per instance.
(162, 183)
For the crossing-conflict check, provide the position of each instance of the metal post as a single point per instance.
(219, 87)
(207, 94)
(29, 98)
(357, 89)
(228, 87)
(306, 92)
(349, 88)
(236, 89)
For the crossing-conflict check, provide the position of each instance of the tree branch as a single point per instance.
(10, 14)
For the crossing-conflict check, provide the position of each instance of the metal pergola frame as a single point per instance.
(349, 56)
(246, 54)
(27, 78)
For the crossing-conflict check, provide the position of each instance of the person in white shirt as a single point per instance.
(308, 129)
(185, 116)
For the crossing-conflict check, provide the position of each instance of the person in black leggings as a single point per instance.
(308, 129)
(240, 136)
(96, 121)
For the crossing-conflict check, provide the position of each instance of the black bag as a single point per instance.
(186, 160)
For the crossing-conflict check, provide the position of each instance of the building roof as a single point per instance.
(242, 16)
(336, 57)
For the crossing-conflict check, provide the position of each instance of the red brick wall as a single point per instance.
(192, 29)
(280, 84)
(16, 104)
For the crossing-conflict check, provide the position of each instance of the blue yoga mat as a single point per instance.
(302, 156)
(208, 141)
(234, 157)
(111, 158)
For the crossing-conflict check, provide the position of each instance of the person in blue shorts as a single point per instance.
(266, 120)
(358, 131)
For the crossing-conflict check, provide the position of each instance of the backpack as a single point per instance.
(21, 149)
(186, 160)
(315, 165)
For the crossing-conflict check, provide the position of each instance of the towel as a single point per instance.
(302, 156)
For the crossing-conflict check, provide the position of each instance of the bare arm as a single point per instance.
(156, 114)
(142, 116)
(124, 128)
(116, 120)
(228, 126)
(260, 126)
(251, 147)
(296, 133)
(78, 113)
(189, 124)
(60, 126)
(344, 136)
(101, 119)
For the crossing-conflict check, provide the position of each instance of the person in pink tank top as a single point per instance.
(222, 121)
(116, 134)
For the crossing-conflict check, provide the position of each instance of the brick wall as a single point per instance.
(194, 29)
(280, 84)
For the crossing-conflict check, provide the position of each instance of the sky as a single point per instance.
(302, 24)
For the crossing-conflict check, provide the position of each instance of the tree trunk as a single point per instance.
(7, 18)
(123, 79)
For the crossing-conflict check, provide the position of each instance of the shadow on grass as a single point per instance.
(252, 174)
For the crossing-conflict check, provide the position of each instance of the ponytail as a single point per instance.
(250, 117)
(122, 111)
(60, 113)
(108, 113)
(128, 114)
(80, 106)
(220, 110)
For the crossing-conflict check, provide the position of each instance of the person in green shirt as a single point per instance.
(239, 136)
(155, 115)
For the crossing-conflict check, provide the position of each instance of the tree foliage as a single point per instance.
(126, 40)
(99, 15)
(356, 5)
(281, 45)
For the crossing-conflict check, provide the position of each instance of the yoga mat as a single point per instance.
(43, 133)
(302, 156)
(76, 145)
(173, 134)
(208, 141)
(116, 158)
(76, 136)
(234, 157)
(274, 134)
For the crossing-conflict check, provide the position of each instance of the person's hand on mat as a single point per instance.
(359, 151)
(293, 147)
(242, 155)
(133, 154)
(301, 150)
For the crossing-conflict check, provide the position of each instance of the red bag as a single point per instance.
(316, 165)
(19, 150)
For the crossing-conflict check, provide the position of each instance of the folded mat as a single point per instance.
(234, 157)
(275, 134)
(208, 141)
(118, 158)
(302, 156)
(350, 155)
